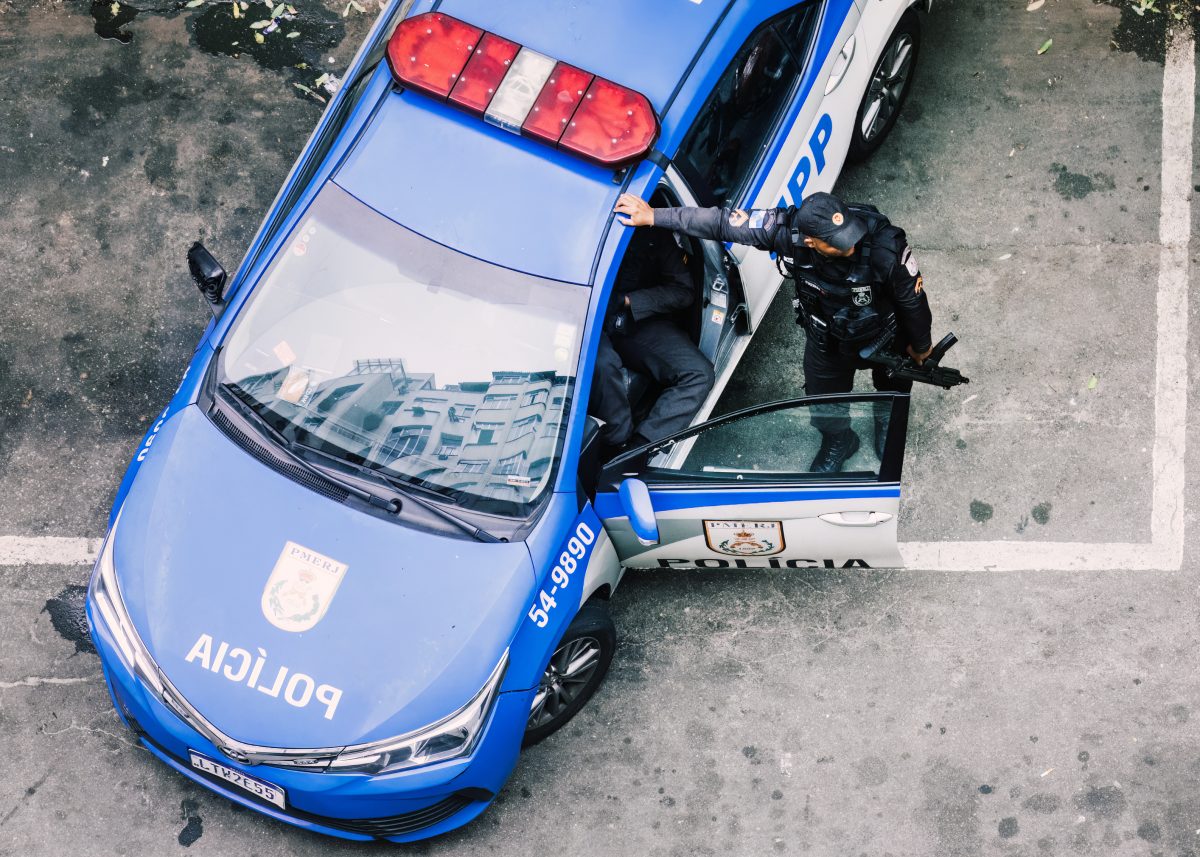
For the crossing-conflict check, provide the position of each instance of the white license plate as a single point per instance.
(253, 785)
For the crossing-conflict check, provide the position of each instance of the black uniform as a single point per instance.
(645, 338)
(843, 303)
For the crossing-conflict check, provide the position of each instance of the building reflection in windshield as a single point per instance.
(495, 438)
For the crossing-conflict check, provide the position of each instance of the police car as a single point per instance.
(365, 553)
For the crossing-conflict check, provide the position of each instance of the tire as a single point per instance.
(888, 88)
(562, 694)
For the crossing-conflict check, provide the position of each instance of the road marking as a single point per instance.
(1165, 549)
(48, 550)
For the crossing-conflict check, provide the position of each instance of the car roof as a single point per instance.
(458, 181)
(508, 200)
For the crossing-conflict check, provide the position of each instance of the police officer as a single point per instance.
(653, 286)
(854, 274)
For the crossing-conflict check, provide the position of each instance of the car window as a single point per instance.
(371, 344)
(780, 444)
(733, 129)
(797, 27)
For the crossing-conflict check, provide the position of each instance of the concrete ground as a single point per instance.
(820, 712)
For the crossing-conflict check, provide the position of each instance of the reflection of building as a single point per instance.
(501, 433)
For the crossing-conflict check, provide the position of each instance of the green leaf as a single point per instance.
(277, 11)
(1093, 382)
(1045, 46)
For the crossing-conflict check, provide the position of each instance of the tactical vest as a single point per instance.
(853, 310)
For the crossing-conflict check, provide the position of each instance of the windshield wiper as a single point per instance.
(288, 448)
(407, 493)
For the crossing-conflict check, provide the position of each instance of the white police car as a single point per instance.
(365, 553)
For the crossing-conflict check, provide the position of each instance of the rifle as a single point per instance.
(905, 367)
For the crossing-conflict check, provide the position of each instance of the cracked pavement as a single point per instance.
(818, 712)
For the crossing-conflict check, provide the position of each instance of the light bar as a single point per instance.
(521, 90)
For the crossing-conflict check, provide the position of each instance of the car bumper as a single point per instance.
(398, 807)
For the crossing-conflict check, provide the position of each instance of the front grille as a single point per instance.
(392, 825)
(298, 474)
(395, 825)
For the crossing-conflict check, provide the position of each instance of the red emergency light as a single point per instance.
(521, 90)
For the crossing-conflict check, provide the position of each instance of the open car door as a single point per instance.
(738, 491)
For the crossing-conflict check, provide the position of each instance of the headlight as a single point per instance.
(106, 597)
(449, 738)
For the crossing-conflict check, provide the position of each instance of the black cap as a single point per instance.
(825, 216)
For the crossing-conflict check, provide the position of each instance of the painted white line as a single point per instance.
(1165, 550)
(47, 550)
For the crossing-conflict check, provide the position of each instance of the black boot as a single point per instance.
(835, 451)
(881, 427)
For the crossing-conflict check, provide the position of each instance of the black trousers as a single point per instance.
(832, 371)
(660, 349)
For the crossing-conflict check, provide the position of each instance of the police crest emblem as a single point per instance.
(861, 295)
(744, 538)
(300, 587)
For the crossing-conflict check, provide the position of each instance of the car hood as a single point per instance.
(233, 573)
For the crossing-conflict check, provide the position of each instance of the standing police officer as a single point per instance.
(855, 275)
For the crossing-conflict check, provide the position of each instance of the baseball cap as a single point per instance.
(825, 216)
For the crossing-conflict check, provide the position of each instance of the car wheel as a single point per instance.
(887, 88)
(576, 669)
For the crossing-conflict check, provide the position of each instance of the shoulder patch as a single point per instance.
(909, 262)
(737, 217)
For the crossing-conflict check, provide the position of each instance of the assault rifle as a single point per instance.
(928, 372)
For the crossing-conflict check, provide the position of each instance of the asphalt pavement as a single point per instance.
(917, 712)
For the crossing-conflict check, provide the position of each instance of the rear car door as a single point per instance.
(738, 491)
(776, 126)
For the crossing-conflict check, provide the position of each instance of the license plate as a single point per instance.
(253, 785)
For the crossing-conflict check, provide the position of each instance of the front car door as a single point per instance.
(738, 492)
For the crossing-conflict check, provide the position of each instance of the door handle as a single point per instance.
(856, 519)
(840, 65)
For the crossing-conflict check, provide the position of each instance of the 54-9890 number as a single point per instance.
(574, 553)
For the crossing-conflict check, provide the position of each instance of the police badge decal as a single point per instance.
(300, 587)
(744, 538)
(861, 295)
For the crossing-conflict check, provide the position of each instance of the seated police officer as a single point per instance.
(854, 274)
(653, 285)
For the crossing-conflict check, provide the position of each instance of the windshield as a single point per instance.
(386, 350)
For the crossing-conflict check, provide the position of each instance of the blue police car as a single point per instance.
(365, 553)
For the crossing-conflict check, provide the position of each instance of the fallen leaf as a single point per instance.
(1005, 256)
(346, 11)
(293, 35)
(258, 25)
(1035, 5)
(1045, 46)
(357, 7)
(192, 4)
(1092, 382)
(277, 11)
(237, 10)
(245, 6)
(260, 38)
(1012, 151)
(115, 8)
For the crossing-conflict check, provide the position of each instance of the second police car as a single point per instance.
(365, 553)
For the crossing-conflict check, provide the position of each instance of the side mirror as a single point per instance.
(635, 503)
(210, 277)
